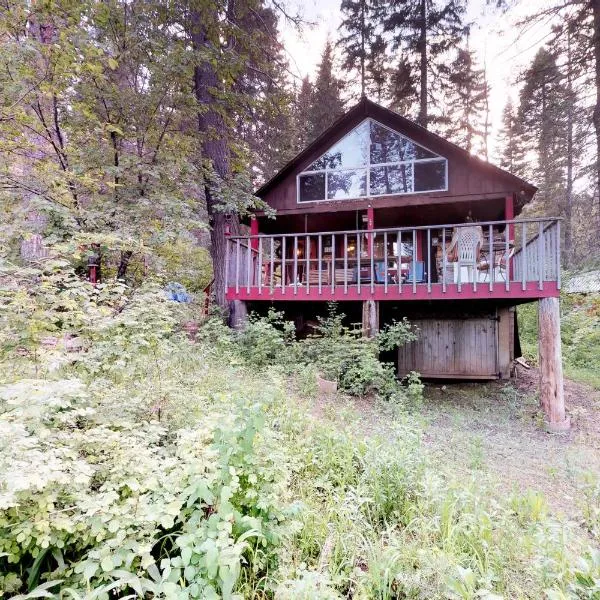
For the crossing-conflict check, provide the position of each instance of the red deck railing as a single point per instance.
(518, 258)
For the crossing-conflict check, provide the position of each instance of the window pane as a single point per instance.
(388, 146)
(395, 179)
(430, 176)
(312, 187)
(350, 151)
(347, 184)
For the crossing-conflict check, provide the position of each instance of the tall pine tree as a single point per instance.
(468, 100)
(363, 47)
(510, 141)
(326, 102)
(425, 31)
(543, 122)
(303, 105)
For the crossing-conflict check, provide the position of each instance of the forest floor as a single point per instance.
(495, 431)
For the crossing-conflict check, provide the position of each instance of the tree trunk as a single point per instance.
(569, 190)
(215, 152)
(423, 54)
(596, 43)
(362, 51)
(124, 264)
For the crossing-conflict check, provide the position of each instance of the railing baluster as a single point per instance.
(399, 253)
(358, 253)
(345, 263)
(372, 249)
(272, 278)
(524, 264)
(295, 264)
(444, 259)
(385, 262)
(260, 265)
(541, 255)
(332, 264)
(428, 260)
(227, 253)
(248, 265)
(491, 258)
(320, 250)
(307, 262)
(414, 261)
(558, 275)
(237, 267)
(283, 273)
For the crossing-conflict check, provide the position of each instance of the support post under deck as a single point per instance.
(370, 318)
(552, 396)
(238, 314)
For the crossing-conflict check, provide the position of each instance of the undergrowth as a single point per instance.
(147, 465)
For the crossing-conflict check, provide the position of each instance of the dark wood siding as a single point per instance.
(468, 178)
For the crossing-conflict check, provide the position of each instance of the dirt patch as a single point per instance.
(497, 429)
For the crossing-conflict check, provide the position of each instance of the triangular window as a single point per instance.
(372, 160)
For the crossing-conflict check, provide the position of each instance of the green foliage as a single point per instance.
(149, 466)
(580, 333)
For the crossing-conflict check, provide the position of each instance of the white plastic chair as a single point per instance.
(468, 242)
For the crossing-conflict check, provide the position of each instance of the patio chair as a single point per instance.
(468, 242)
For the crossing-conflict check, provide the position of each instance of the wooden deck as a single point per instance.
(518, 259)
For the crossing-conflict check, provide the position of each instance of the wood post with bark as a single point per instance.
(370, 318)
(552, 396)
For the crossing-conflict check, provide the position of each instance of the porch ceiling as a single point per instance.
(399, 216)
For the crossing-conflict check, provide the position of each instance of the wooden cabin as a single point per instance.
(392, 220)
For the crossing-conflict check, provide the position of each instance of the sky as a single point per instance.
(505, 48)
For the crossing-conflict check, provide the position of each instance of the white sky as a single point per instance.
(495, 38)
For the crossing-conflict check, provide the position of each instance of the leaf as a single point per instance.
(107, 564)
(112, 63)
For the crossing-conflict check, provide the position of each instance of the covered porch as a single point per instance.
(510, 258)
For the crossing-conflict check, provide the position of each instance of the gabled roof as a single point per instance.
(365, 108)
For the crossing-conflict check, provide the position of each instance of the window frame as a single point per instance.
(369, 166)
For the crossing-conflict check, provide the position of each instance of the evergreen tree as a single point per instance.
(362, 46)
(425, 31)
(543, 123)
(265, 122)
(326, 103)
(511, 152)
(467, 99)
(377, 71)
(402, 89)
(303, 127)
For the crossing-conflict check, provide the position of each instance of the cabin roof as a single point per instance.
(366, 108)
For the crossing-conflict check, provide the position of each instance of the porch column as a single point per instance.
(509, 215)
(254, 231)
(238, 314)
(370, 226)
(370, 318)
(552, 396)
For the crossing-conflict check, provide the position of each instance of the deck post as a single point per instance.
(254, 232)
(550, 357)
(238, 314)
(504, 342)
(370, 318)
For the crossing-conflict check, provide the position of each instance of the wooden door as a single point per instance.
(452, 348)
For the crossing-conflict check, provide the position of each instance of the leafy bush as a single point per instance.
(344, 355)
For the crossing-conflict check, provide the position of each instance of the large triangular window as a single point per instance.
(372, 160)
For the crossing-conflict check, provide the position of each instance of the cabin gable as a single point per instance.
(346, 168)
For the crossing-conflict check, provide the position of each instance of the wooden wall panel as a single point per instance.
(452, 348)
